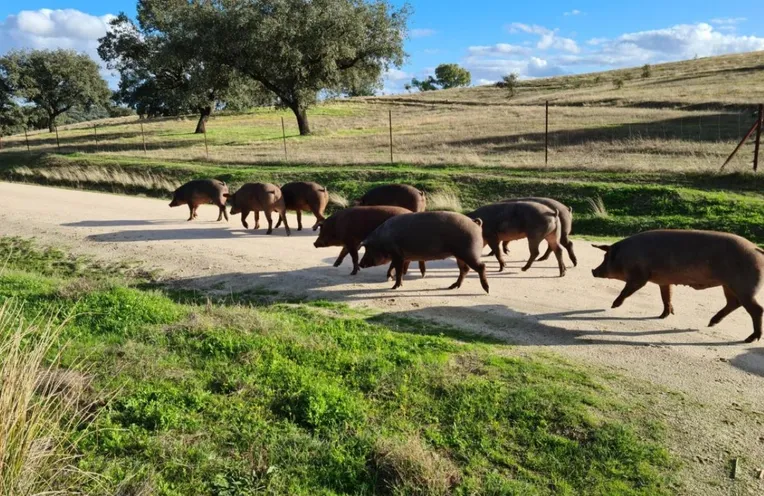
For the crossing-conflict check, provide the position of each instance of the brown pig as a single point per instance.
(566, 225)
(398, 195)
(305, 196)
(518, 220)
(699, 259)
(257, 197)
(201, 192)
(349, 227)
(427, 236)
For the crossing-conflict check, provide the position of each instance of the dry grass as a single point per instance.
(444, 200)
(98, 176)
(597, 207)
(408, 467)
(338, 199)
(39, 407)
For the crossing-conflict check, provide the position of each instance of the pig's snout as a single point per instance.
(600, 272)
(173, 204)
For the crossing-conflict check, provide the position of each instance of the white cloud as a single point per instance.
(431, 51)
(51, 29)
(422, 33)
(573, 12)
(498, 49)
(548, 38)
(728, 21)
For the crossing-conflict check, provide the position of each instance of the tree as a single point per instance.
(54, 80)
(618, 83)
(647, 71)
(510, 83)
(161, 69)
(297, 49)
(446, 76)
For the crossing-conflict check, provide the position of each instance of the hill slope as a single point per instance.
(708, 83)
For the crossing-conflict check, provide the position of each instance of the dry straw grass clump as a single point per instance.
(40, 406)
(108, 176)
(597, 207)
(444, 200)
(338, 199)
(408, 467)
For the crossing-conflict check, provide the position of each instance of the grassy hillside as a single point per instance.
(727, 81)
(248, 396)
(686, 116)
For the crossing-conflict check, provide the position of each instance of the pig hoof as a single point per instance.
(337, 264)
(454, 286)
(354, 273)
(617, 304)
(752, 338)
(397, 286)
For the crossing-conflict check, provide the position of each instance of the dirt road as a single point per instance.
(535, 309)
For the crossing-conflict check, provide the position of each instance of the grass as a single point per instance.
(247, 397)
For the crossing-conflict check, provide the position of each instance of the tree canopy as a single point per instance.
(299, 48)
(162, 69)
(55, 81)
(446, 76)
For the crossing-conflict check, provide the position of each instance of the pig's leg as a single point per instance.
(633, 284)
(224, 211)
(190, 212)
(354, 256)
(244, 215)
(495, 249)
(282, 216)
(533, 247)
(463, 269)
(668, 308)
(278, 223)
(546, 254)
(257, 219)
(299, 220)
(505, 246)
(555, 247)
(478, 267)
(398, 262)
(342, 256)
(422, 268)
(755, 311)
(390, 271)
(269, 218)
(317, 213)
(732, 304)
(406, 267)
(568, 244)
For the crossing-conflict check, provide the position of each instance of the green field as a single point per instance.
(257, 394)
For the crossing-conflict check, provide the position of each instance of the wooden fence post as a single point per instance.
(283, 137)
(58, 143)
(759, 120)
(546, 135)
(390, 120)
(26, 137)
(144, 140)
(206, 149)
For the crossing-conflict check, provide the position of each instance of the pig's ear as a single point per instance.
(604, 248)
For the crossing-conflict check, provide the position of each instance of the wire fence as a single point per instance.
(422, 134)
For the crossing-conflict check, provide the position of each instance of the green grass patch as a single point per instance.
(317, 398)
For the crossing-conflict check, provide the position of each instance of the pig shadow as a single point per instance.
(119, 223)
(187, 234)
(752, 361)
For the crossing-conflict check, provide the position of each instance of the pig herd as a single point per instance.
(391, 224)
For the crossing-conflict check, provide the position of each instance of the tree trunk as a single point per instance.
(201, 127)
(52, 123)
(302, 120)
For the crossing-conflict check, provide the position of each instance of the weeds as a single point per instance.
(597, 207)
(444, 200)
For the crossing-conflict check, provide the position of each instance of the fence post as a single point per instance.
(1, 141)
(58, 143)
(546, 136)
(390, 120)
(206, 149)
(144, 140)
(758, 138)
(26, 137)
(283, 137)
(95, 133)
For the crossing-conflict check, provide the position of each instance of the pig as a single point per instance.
(201, 192)
(349, 227)
(398, 195)
(566, 226)
(427, 236)
(518, 220)
(302, 196)
(256, 197)
(699, 259)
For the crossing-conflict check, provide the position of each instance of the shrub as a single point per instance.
(647, 71)
(618, 83)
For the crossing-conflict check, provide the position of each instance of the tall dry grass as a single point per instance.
(40, 407)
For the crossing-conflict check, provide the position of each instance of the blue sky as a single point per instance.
(490, 38)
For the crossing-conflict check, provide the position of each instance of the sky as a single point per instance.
(489, 38)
